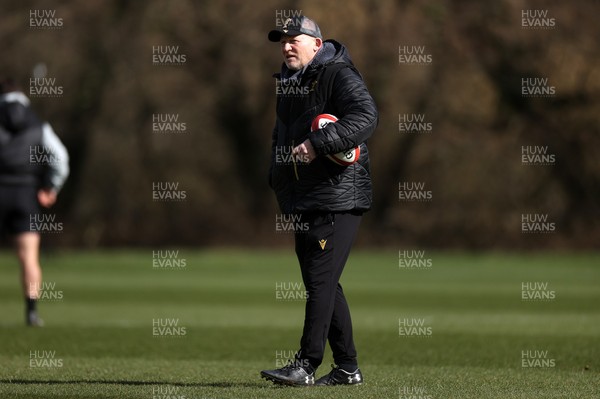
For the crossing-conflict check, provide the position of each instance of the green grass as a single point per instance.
(101, 329)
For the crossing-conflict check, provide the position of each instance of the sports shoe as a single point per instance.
(33, 320)
(291, 374)
(337, 376)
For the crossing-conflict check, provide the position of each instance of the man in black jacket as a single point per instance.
(328, 198)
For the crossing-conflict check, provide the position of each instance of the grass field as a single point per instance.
(226, 323)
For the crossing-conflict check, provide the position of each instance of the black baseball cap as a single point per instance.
(296, 26)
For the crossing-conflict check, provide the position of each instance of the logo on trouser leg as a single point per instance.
(322, 243)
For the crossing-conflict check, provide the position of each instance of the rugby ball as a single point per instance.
(343, 158)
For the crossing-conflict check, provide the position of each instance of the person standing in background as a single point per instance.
(27, 183)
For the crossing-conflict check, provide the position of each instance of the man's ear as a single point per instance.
(318, 43)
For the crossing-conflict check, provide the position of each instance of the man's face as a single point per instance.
(299, 50)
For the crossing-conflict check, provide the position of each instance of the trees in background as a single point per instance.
(466, 90)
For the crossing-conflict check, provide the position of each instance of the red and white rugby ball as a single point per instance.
(343, 158)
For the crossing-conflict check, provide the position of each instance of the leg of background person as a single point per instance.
(27, 246)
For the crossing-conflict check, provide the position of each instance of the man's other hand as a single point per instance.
(305, 151)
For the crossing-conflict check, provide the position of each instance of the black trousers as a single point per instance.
(322, 252)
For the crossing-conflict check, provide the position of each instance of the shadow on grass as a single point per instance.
(137, 383)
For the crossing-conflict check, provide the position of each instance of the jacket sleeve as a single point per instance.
(273, 144)
(356, 111)
(57, 171)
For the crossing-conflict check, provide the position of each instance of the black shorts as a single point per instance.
(17, 205)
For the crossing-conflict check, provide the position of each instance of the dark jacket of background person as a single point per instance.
(30, 152)
(334, 86)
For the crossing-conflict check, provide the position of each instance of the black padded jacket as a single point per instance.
(330, 84)
(20, 130)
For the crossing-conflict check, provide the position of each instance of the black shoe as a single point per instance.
(337, 376)
(291, 374)
(33, 320)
